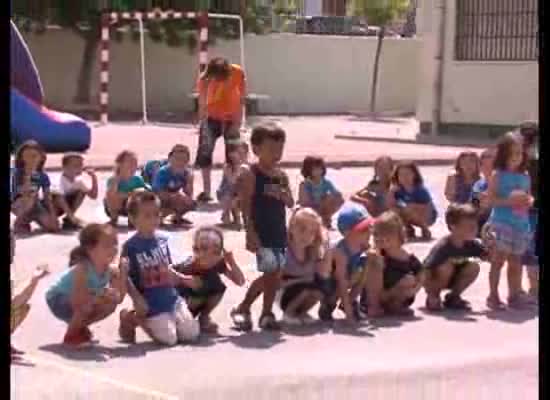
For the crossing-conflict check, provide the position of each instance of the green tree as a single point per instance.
(378, 13)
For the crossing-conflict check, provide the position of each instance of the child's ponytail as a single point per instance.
(77, 255)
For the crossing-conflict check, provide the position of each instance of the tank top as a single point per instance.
(268, 213)
(95, 282)
(298, 269)
(355, 260)
(505, 215)
(463, 190)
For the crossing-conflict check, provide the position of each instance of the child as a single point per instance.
(265, 194)
(394, 276)
(90, 289)
(316, 191)
(530, 134)
(72, 189)
(152, 282)
(121, 185)
(209, 261)
(451, 262)
(348, 265)
(374, 197)
(29, 179)
(20, 306)
(509, 193)
(150, 169)
(226, 193)
(308, 261)
(173, 184)
(479, 191)
(458, 188)
(411, 200)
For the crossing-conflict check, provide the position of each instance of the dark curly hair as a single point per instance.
(310, 163)
(418, 180)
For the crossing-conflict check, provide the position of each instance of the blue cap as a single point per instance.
(353, 218)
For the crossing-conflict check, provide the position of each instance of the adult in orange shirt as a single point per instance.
(221, 91)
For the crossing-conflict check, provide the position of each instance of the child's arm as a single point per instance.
(119, 276)
(450, 188)
(303, 196)
(286, 194)
(25, 295)
(246, 192)
(342, 283)
(112, 185)
(391, 196)
(234, 272)
(80, 295)
(189, 186)
(511, 201)
(138, 301)
(92, 193)
(180, 279)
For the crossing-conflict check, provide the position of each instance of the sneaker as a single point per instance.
(241, 320)
(268, 322)
(126, 327)
(357, 313)
(325, 312)
(77, 340)
(204, 198)
(453, 302)
(290, 319)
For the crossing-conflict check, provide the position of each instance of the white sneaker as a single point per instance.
(291, 320)
(308, 319)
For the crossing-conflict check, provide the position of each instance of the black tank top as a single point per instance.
(268, 213)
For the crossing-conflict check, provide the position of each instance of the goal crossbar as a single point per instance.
(112, 17)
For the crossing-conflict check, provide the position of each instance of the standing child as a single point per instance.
(480, 199)
(316, 191)
(451, 263)
(209, 261)
(458, 188)
(90, 289)
(412, 201)
(374, 197)
(349, 263)
(509, 193)
(394, 276)
(152, 283)
(20, 306)
(226, 193)
(173, 184)
(72, 189)
(265, 195)
(31, 197)
(121, 185)
(308, 263)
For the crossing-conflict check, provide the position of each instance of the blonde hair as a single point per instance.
(389, 223)
(317, 250)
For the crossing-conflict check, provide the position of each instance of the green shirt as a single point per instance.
(129, 185)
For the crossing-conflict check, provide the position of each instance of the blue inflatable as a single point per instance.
(55, 131)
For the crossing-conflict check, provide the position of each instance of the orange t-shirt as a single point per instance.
(223, 98)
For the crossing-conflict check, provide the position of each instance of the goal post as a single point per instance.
(112, 17)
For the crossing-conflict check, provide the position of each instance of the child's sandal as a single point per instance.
(453, 302)
(495, 304)
(269, 323)
(241, 320)
(426, 234)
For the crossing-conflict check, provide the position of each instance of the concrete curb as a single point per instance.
(419, 140)
(298, 164)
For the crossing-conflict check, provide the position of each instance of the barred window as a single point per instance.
(496, 30)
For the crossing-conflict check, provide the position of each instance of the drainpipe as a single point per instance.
(440, 65)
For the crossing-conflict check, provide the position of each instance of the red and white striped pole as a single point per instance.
(202, 20)
(104, 69)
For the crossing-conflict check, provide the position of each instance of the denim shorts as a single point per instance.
(510, 240)
(269, 259)
(61, 307)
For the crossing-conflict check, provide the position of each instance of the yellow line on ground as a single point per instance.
(151, 394)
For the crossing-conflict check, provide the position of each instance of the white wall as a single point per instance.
(495, 93)
(301, 73)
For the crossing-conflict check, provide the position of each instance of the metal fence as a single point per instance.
(496, 30)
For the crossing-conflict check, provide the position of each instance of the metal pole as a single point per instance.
(440, 59)
(143, 82)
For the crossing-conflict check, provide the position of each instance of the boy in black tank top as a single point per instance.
(265, 194)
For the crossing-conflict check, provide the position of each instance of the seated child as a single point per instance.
(210, 260)
(30, 190)
(121, 185)
(451, 263)
(348, 275)
(73, 189)
(308, 262)
(374, 196)
(226, 193)
(173, 184)
(394, 276)
(411, 200)
(20, 306)
(480, 197)
(90, 289)
(458, 188)
(152, 282)
(316, 191)
(150, 169)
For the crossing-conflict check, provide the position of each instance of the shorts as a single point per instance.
(289, 293)
(270, 259)
(39, 208)
(509, 240)
(71, 199)
(393, 276)
(61, 307)
(209, 132)
(122, 212)
(170, 327)
(211, 285)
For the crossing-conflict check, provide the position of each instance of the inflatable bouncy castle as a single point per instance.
(30, 119)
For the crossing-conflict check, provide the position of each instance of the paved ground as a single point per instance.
(352, 141)
(482, 355)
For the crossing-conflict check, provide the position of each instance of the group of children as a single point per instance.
(491, 216)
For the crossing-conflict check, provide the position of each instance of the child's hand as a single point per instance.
(124, 265)
(112, 295)
(90, 172)
(40, 272)
(229, 258)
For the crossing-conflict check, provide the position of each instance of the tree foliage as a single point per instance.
(379, 12)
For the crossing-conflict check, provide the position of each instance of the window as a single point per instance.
(496, 30)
